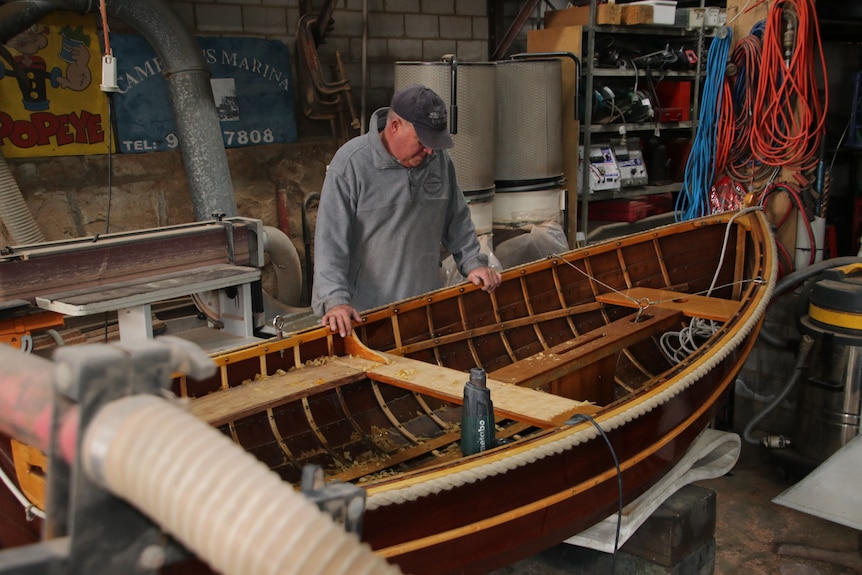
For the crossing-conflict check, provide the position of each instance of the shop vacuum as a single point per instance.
(477, 415)
(828, 369)
(829, 401)
(827, 447)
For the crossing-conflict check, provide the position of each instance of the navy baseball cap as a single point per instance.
(423, 108)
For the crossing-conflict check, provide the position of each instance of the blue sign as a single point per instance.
(251, 86)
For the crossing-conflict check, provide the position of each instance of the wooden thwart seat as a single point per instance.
(220, 407)
(691, 305)
(579, 368)
(563, 363)
(510, 401)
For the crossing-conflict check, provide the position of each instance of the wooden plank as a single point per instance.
(510, 401)
(220, 407)
(691, 305)
(142, 291)
(409, 453)
(562, 360)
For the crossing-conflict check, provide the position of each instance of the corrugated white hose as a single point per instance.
(219, 501)
(14, 213)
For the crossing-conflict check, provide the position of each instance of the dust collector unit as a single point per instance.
(468, 88)
(529, 175)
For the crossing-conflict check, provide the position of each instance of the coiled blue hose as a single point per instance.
(693, 199)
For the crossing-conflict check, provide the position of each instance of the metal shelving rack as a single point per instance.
(587, 128)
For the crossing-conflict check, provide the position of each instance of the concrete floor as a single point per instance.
(750, 530)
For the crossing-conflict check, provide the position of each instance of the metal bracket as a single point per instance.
(344, 502)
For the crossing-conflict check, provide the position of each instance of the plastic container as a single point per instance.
(663, 11)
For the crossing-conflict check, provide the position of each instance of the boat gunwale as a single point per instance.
(315, 333)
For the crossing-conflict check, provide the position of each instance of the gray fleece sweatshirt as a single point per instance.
(380, 226)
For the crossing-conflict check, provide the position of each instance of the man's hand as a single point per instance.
(484, 276)
(339, 319)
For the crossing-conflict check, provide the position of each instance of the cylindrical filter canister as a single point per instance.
(477, 415)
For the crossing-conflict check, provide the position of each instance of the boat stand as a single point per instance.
(712, 455)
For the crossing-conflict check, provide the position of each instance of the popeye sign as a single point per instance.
(49, 103)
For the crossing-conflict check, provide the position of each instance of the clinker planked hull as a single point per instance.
(576, 334)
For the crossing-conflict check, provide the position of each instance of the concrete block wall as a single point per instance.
(397, 30)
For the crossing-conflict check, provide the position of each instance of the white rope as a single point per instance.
(29, 508)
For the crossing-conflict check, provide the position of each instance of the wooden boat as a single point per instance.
(577, 333)
(573, 335)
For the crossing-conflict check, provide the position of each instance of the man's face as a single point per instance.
(405, 145)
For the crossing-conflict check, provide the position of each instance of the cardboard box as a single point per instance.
(580, 16)
(640, 14)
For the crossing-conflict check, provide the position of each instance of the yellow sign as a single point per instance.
(50, 100)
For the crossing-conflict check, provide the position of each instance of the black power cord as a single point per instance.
(577, 418)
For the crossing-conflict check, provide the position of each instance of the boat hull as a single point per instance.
(473, 514)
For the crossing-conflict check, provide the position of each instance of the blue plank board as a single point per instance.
(251, 86)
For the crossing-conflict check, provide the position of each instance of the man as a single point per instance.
(389, 200)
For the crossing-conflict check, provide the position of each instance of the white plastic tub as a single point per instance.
(663, 11)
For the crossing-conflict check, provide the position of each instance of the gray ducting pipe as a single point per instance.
(187, 77)
(17, 16)
(14, 212)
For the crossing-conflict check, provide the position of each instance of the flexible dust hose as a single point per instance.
(285, 260)
(14, 213)
(801, 358)
(219, 501)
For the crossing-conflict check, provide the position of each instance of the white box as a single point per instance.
(714, 17)
(663, 11)
(604, 171)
